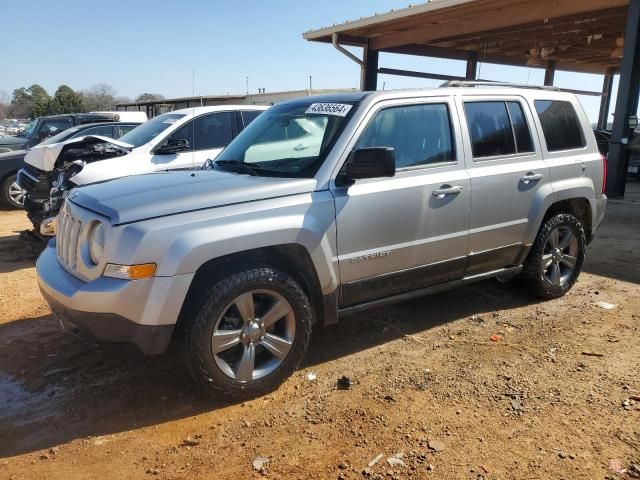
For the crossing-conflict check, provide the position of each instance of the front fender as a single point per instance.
(181, 244)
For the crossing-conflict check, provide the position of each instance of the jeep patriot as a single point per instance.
(322, 207)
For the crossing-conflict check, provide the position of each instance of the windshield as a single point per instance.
(151, 129)
(288, 140)
(60, 137)
(28, 131)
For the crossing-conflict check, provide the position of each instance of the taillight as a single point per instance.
(604, 174)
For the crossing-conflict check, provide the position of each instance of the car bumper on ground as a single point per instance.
(140, 312)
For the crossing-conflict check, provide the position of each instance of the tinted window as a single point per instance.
(184, 133)
(104, 131)
(419, 134)
(248, 117)
(560, 125)
(123, 130)
(520, 128)
(490, 129)
(213, 131)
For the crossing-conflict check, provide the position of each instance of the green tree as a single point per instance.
(21, 104)
(41, 101)
(67, 100)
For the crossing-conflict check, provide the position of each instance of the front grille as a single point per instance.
(68, 233)
(27, 181)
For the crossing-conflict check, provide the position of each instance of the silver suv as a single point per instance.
(324, 207)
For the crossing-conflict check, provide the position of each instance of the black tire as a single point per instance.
(5, 194)
(198, 333)
(535, 275)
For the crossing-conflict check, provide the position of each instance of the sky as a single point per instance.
(209, 48)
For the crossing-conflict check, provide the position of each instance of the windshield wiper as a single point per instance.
(251, 170)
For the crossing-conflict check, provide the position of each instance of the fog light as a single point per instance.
(130, 272)
(48, 227)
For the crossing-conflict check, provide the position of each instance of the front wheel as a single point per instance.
(556, 258)
(250, 334)
(11, 193)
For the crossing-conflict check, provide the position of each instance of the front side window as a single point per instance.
(249, 116)
(419, 134)
(213, 131)
(560, 125)
(149, 130)
(51, 127)
(103, 131)
(185, 132)
(288, 140)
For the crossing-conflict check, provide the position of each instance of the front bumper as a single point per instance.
(139, 312)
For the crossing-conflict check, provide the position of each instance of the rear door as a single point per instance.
(506, 171)
(207, 136)
(407, 232)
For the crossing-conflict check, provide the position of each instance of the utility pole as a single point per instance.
(247, 80)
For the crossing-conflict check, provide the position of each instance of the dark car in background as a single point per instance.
(603, 137)
(11, 194)
(44, 127)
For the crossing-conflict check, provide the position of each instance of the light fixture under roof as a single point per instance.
(619, 50)
(533, 58)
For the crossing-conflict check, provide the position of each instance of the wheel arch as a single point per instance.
(293, 259)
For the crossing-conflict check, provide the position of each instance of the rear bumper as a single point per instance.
(140, 312)
(598, 214)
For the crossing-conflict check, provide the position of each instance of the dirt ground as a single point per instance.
(553, 398)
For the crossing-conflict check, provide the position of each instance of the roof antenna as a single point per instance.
(193, 119)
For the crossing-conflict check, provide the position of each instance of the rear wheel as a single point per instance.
(556, 258)
(250, 334)
(11, 193)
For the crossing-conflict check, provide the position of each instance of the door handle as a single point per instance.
(300, 147)
(531, 177)
(446, 190)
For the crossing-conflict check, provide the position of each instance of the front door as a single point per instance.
(407, 232)
(507, 171)
(207, 136)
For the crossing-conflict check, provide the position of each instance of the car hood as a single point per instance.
(11, 140)
(12, 155)
(44, 157)
(152, 195)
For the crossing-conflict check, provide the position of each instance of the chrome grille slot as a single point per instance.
(69, 230)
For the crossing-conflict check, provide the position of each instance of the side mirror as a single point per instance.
(373, 162)
(174, 146)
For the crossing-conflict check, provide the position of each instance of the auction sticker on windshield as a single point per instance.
(339, 109)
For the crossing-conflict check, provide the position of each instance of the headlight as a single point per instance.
(96, 243)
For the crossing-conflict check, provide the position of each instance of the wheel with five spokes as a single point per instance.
(556, 258)
(250, 334)
(11, 192)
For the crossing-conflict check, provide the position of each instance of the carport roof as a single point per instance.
(576, 35)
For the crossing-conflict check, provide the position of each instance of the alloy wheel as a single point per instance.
(16, 194)
(560, 255)
(253, 335)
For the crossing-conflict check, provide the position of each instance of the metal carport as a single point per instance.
(588, 36)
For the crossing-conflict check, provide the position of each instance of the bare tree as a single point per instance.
(99, 97)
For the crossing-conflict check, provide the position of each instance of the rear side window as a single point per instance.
(524, 144)
(497, 128)
(419, 134)
(560, 125)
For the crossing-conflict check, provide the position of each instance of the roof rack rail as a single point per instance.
(486, 83)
